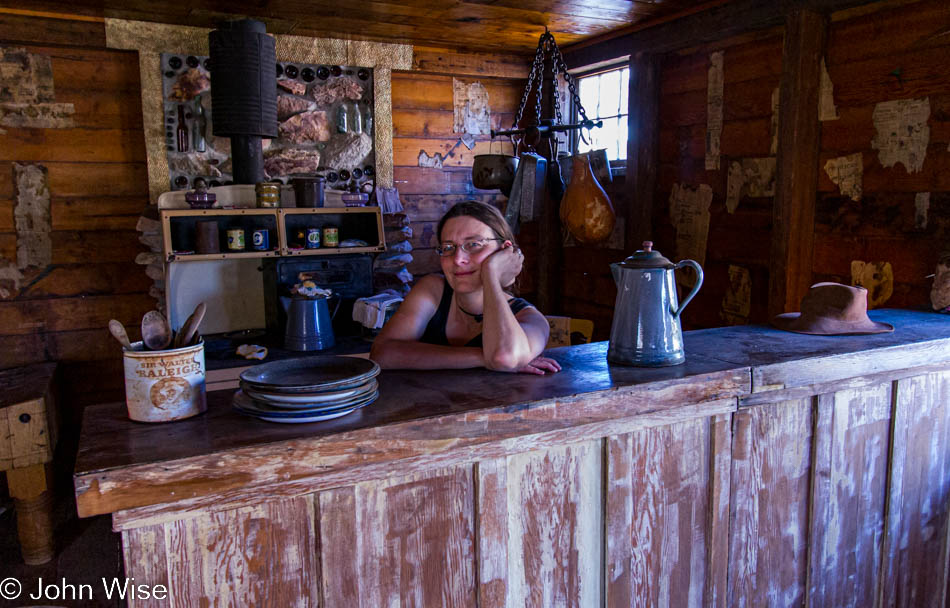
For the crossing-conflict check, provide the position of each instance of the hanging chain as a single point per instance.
(547, 46)
(537, 67)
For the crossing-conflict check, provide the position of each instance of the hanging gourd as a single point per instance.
(585, 209)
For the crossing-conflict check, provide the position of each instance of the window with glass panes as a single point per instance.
(604, 97)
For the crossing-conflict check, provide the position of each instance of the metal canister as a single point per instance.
(236, 239)
(163, 385)
(268, 194)
(313, 238)
(260, 240)
(331, 236)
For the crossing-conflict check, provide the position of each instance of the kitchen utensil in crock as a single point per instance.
(189, 330)
(118, 332)
(156, 333)
(646, 329)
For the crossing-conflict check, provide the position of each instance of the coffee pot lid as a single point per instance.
(647, 258)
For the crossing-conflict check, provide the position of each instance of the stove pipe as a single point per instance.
(244, 93)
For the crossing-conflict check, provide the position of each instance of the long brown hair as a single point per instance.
(486, 214)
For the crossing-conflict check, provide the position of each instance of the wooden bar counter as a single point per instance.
(769, 470)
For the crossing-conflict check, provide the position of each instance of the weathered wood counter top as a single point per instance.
(744, 475)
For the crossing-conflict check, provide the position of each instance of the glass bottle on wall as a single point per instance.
(356, 119)
(198, 133)
(341, 118)
(181, 131)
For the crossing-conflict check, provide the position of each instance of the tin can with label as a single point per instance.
(164, 385)
(331, 236)
(313, 238)
(236, 239)
(260, 240)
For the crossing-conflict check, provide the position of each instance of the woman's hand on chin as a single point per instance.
(539, 365)
(503, 265)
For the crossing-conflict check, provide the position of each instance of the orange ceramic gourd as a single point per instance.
(585, 209)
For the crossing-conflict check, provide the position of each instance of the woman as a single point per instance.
(466, 318)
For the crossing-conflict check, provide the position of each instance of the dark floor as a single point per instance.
(87, 550)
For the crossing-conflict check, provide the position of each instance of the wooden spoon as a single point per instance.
(189, 330)
(155, 330)
(118, 332)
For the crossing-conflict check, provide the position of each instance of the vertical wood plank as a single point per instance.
(769, 504)
(143, 551)
(491, 514)
(254, 556)
(642, 147)
(717, 556)
(555, 522)
(418, 539)
(796, 181)
(338, 531)
(848, 498)
(915, 551)
(665, 516)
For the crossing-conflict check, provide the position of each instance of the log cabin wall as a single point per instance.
(752, 66)
(891, 238)
(95, 172)
(899, 51)
(90, 179)
(423, 120)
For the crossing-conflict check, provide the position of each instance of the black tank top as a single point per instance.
(435, 330)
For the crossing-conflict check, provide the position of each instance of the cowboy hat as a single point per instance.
(830, 309)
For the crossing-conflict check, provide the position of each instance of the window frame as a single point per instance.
(617, 167)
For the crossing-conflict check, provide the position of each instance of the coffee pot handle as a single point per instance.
(699, 282)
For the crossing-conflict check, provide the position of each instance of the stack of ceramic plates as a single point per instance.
(307, 390)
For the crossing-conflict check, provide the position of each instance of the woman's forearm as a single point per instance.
(505, 345)
(412, 354)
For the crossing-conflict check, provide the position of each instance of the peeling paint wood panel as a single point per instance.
(338, 549)
(255, 556)
(918, 523)
(555, 516)
(769, 504)
(798, 373)
(98, 179)
(145, 556)
(667, 515)
(851, 449)
(428, 123)
(423, 180)
(491, 483)
(407, 151)
(65, 314)
(417, 540)
(919, 27)
(96, 344)
(26, 29)
(429, 92)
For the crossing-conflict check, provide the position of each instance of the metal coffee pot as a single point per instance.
(646, 329)
(309, 325)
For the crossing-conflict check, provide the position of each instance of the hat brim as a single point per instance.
(793, 321)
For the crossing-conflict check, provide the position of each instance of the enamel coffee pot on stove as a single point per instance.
(646, 329)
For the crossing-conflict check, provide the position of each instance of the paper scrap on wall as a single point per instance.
(773, 128)
(921, 209)
(31, 216)
(689, 213)
(876, 277)
(940, 291)
(902, 132)
(737, 301)
(714, 110)
(826, 97)
(754, 177)
(472, 112)
(847, 172)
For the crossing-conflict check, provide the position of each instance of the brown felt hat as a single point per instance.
(830, 309)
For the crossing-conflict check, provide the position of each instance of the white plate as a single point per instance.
(297, 401)
(313, 418)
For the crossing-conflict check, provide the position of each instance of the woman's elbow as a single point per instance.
(381, 353)
(506, 362)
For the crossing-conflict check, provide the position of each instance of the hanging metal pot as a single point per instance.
(494, 171)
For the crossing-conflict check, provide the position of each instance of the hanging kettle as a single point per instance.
(646, 329)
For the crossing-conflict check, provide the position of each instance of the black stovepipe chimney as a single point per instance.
(244, 93)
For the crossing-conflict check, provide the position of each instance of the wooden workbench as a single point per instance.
(770, 468)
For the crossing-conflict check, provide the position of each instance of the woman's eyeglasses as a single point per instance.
(470, 247)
